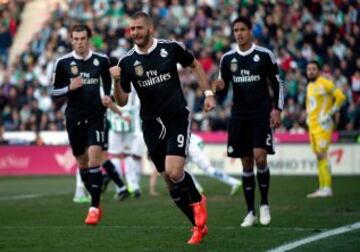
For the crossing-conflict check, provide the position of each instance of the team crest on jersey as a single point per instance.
(233, 65)
(73, 68)
(139, 70)
(256, 58)
(163, 53)
(96, 62)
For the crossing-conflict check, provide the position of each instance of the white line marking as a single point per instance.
(331, 232)
(31, 196)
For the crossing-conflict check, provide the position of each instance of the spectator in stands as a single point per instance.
(297, 31)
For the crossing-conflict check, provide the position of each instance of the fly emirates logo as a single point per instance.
(153, 78)
(246, 77)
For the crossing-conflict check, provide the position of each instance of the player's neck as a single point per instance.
(245, 47)
(145, 48)
(83, 55)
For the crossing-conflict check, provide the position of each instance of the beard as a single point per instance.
(145, 40)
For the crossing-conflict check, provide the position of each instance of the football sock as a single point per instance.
(80, 190)
(130, 174)
(197, 183)
(324, 173)
(95, 183)
(248, 179)
(188, 188)
(263, 178)
(182, 203)
(113, 174)
(116, 162)
(84, 174)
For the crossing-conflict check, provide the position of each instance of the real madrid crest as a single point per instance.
(256, 58)
(163, 53)
(233, 65)
(73, 68)
(96, 62)
(139, 70)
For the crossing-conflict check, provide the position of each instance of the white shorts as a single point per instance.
(126, 143)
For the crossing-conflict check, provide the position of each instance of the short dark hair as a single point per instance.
(315, 62)
(80, 28)
(243, 20)
(141, 14)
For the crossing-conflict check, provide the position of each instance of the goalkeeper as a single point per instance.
(323, 100)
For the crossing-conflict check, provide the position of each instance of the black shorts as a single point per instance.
(246, 134)
(83, 133)
(167, 135)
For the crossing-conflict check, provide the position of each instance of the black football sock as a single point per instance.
(111, 171)
(95, 183)
(263, 178)
(84, 174)
(248, 180)
(182, 203)
(188, 188)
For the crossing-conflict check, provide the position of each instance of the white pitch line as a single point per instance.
(331, 232)
(30, 196)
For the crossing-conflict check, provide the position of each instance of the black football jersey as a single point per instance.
(249, 73)
(155, 77)
(84, 102)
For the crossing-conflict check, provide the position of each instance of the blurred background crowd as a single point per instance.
(296, 31)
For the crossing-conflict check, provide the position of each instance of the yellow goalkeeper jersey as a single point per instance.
(321, 98)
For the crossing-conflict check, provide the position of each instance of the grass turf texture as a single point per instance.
(37, 214)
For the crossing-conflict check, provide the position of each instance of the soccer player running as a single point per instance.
(323, 100)
(249, 68)
(151, 67)
(78, 76)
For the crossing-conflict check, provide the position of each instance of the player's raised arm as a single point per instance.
(120, 96)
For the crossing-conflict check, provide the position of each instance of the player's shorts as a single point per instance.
(126, 143)
(320, 139)
(167, 135)
(244, 135)
(84, 133)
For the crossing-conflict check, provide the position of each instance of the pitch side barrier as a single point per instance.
(293, 155)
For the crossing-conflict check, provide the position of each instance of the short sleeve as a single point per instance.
(183, 56)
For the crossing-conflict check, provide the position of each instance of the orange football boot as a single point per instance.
(200, 212)
(198, 234)
(94, 216)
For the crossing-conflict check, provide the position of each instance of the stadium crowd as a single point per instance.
(297, 31)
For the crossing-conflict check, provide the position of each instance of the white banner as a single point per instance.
(290, 159)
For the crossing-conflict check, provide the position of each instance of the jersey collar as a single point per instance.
(151, 48)
(242, 53)
(76, 56)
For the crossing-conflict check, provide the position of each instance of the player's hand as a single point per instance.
(275, 118)
(75, 83)
(106, 101)
(220, 84)
(209, 103)
(126, 118)
(115, 72)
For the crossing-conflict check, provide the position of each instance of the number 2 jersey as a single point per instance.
(249, 73)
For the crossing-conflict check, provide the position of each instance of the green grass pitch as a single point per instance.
(37, 214)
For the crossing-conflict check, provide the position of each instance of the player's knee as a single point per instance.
(174, 174)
